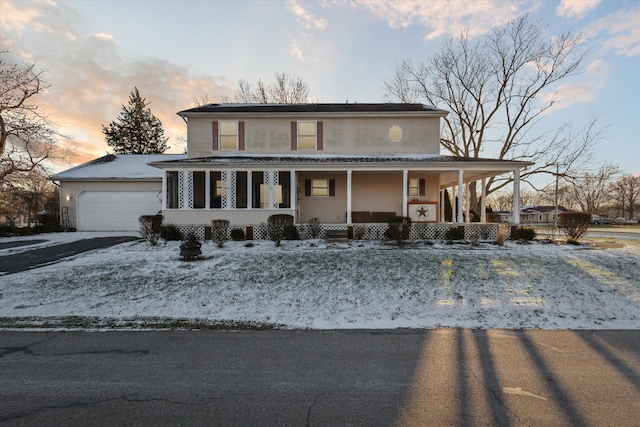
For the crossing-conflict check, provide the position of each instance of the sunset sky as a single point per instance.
(95, 52)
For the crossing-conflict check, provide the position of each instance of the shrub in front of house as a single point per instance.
(398, 228)
(454, 233)
(525, 234)
(170, 232)
(237, 234)
(150, 228)
(574, 224)
(277, 227)
(291, 233)
(219, 230)
(315, 229)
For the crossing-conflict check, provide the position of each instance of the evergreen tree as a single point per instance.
(137, 130)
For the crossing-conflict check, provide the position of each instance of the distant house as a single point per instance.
(541, 214)
(344, 164)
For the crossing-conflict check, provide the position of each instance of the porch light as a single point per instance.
(68, 198)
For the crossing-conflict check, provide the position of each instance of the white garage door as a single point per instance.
(115, 210)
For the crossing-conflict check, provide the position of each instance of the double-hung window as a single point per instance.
(319, 187)
(416, 187)
(306, 135)
(228, 135)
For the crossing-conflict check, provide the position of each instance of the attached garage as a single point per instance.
(112, 192)
(116, 210)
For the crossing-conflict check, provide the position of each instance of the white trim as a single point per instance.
(516, 196)
(461, 192)
(483, 201)
(349, 194)
(405, 183)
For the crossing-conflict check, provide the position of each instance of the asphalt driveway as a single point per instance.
(48, 255)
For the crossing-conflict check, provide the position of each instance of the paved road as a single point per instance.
(321, 378)
(42, 256)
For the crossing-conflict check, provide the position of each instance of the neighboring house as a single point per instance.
(110, 193)
(541, 214)
(340, 163)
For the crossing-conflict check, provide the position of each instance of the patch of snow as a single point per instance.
(312, 284)
(124, 166)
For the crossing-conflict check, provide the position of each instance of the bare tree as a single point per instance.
(627, 192)
(497, 91)
(590, 191)
(27, 136)
(286, 89)
(26, 193)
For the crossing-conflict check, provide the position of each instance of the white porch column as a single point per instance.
(249, 189)
(467, 205)
(461, 192)
(185, 189)
(516, 196)
(207, 189)
(405, 191)
(441, 219)
(349, 174)
(483, 201)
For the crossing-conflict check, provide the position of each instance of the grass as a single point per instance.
(139, 323)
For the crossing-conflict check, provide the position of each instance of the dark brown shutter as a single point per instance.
(214, 145)
(319, 136)
(422, 186)
(307, 188)
(332, 187)
(294, 136)
(241, 136)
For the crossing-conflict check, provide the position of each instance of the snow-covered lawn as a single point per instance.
(309, 284)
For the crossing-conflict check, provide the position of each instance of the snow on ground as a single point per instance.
(311, 284)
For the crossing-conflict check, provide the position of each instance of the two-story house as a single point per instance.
(344, 164)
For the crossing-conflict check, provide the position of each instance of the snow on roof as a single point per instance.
(118, 166)
(233, 158)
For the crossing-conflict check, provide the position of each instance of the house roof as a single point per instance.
(313, 108)
(446, 166)
(118, 166)
(331, 159)
(543, 209)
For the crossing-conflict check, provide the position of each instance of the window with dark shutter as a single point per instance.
(307, 188)
(214, 127)
(422, 187)
(241, 136)
(294, 136)
(332, 187)
(319, 134)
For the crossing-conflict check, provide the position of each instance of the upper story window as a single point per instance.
(228, 135)
(306, 135)
(395, 133)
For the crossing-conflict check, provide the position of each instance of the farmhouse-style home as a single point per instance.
(345, 164)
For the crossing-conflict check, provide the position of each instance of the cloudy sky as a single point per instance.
(94, 52)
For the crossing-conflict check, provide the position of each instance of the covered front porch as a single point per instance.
(353, 193)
